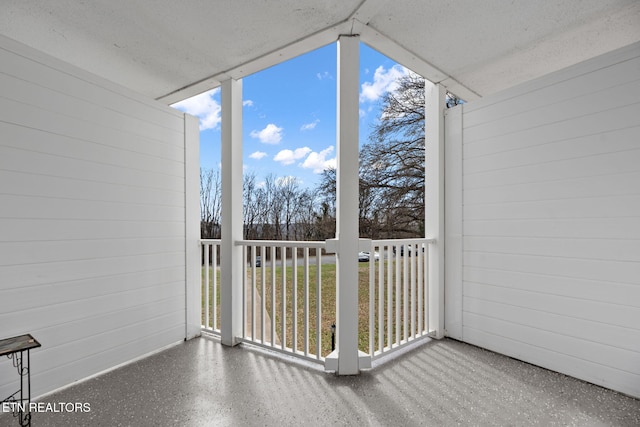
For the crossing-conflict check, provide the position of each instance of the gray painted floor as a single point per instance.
(441, 383)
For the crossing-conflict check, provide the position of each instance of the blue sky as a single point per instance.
(289, 113)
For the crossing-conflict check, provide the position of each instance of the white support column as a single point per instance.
(232, 229)
(435, 104)
(193, 297)
(347, 231)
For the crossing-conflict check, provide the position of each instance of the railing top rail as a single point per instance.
(401, 241)
(281, 243)
(210, 241)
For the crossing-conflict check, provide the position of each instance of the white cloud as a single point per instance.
(324, 75)
(287, 157)
(257, 155)
(271, 134)
(310, 126)
(383, 81)
(247, 103)
(203, 106)
(318, 161)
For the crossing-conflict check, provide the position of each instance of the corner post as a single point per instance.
(435, 104)
(231, 255)
(193, 297)
(347, 224)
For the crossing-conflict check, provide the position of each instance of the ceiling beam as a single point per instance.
(299, 47)
(393, 50)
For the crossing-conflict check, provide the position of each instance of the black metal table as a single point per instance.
(14, 349)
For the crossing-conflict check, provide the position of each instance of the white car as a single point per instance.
(366, 256)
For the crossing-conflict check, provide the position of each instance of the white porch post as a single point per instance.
(435, 98)
(232, 228)
(193, 293)
(347, 232)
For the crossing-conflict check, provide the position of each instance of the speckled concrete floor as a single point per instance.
(442, 383)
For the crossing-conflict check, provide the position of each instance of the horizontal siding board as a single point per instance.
(619, 185)
(43, 252)
(88, 308)
(606, 79)
(16, 230)
(83, 86)
(58, 209)
(572, 306)
(606, 271)
(548, 284)
(56, 123)
(571, 228)
(69, 167)
(87, 347)
(589, 207)
(519, 347)
(625, 250)
(100, 116)
(625, 339)
(30, 297)
(591, 104)
(578, 127)
(87, 267)
(624, 360)
(127, 154)
(582, 151)
(164, 312)
(47, 186)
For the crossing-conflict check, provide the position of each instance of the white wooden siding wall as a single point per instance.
(551, 221)
(92, 233)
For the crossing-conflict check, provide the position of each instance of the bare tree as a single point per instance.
(251, 204)
(393, 160)
(210, 203)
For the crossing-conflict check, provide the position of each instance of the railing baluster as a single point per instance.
(318, 304)
(253, 292)
(306, 301)
(294, 329)
(273, 296)
(244, 291)
(426, 289)
(398, 295)
(413, 292)
(263, 291)
(283, 306)
(372, 298)
(381, 298)
(405, 296)
(390, 300)
(206, 285)
(214, 290)
(420, 287)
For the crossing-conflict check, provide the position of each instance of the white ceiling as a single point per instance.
(170, 50)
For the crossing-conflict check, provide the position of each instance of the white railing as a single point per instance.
(398, 293)
(283, 286)
(210, 289)
(289, 295)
